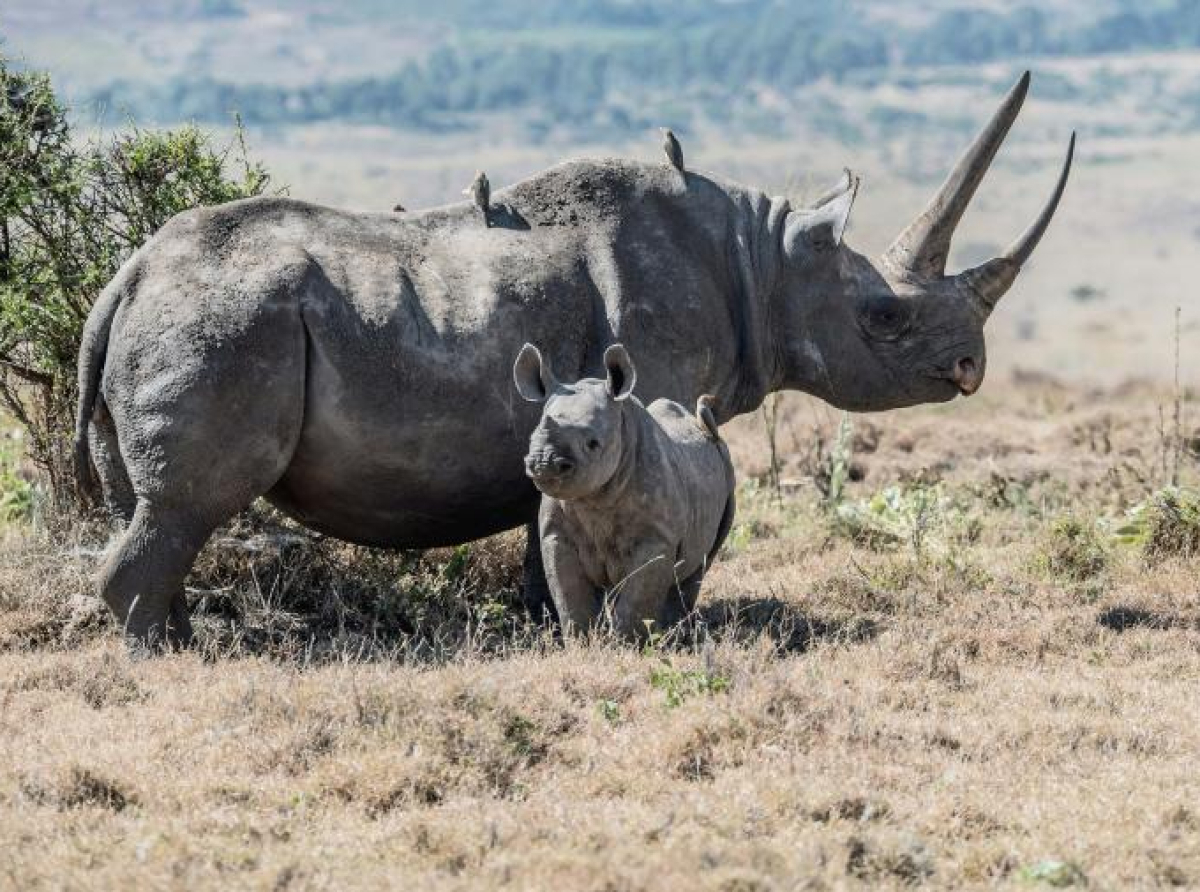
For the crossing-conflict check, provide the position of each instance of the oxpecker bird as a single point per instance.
(399, 209)
(672, 149)
(480, 191)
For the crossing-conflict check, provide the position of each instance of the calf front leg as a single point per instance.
(575, 597)
(641, 602)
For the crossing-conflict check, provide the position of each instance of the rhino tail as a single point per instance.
(704, 414)
(93, 347)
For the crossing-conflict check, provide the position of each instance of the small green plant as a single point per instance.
(1074, 550)
(1057, 874)
(521, 735)
(905, 513)
(679, 685)
(839, 462)
(610, 711)
(826, 461)
(456, 567)
(1173, 522)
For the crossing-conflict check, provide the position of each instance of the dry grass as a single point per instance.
(954, 709)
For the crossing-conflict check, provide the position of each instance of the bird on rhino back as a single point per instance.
(636, 500)
(354, 368)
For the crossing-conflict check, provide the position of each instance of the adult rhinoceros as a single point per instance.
(354, 369)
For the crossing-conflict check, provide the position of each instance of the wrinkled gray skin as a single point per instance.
(636, 500)
(353, 369)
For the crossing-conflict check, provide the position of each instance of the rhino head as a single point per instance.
(869, 334)
(576, 448)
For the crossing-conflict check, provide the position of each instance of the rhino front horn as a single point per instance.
(919, 253)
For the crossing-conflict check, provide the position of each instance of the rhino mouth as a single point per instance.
(956, 383)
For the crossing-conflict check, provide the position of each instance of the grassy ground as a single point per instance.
(961, 648)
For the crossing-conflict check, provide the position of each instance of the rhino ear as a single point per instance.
(532, 375)
(809, 234)
(621, 373)
(843, 186)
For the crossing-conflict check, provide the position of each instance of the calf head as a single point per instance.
(576, 448)
(895, 331)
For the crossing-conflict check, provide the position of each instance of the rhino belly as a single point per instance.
(363, 497)
(407, 460)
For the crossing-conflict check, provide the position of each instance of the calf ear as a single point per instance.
(808, 234)
(532, 375)
(621, 373)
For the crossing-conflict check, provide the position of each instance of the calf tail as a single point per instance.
(93, 347)
(704, 414)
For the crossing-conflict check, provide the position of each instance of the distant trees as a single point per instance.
(589, 61)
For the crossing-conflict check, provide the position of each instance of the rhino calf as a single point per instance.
(636, 500)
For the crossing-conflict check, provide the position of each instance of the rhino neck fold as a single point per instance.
(755, 272)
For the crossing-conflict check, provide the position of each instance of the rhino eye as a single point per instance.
(884, 318)
(593, 444)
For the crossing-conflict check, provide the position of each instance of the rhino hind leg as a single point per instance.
(118, 492)
(200, 439)
(142, 580)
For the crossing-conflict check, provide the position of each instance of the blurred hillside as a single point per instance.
(595, 68)
(365, 103)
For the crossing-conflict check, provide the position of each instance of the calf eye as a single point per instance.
(593, 444)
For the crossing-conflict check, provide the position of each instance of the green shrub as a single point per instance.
(1075, 550)
(16, 490)
(1173, 525)
(1165, 525)
(921, 515)
(71, 211)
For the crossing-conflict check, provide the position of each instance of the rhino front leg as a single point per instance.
(535, 590)
(577, 600)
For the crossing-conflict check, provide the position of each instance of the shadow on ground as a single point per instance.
(1122, 618)
(793, 631)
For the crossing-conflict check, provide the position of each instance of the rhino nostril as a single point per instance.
(563, 465)
(966, 375)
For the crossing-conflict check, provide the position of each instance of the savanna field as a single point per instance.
(948, 647)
